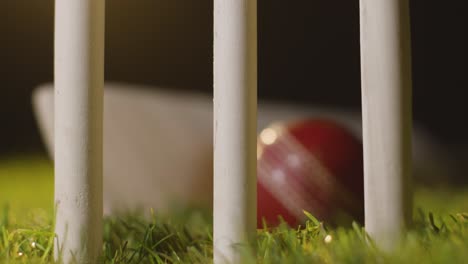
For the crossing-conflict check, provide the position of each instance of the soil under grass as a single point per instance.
(439, 234)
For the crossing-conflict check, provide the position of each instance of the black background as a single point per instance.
(308, 53)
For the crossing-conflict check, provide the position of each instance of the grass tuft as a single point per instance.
(132, 238)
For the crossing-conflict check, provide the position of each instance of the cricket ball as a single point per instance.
(313, 165)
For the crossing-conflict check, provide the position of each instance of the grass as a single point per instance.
(439, 234)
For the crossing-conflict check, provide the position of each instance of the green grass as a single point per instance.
(26, 184)
(185, 236)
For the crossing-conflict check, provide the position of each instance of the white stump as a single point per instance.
(235, 121)
(387, 121)
(79, 80)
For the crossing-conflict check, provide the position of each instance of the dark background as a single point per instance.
(308, 53)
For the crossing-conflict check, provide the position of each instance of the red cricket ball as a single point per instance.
(314, 165)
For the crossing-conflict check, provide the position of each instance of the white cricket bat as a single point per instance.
(158, 143)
